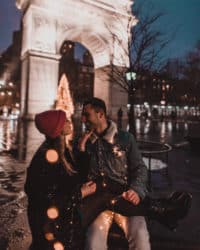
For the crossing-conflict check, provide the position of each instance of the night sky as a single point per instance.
(182, 15)
(9, 21)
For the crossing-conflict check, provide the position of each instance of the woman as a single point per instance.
(53, 189)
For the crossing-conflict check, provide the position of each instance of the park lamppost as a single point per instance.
(130, 79)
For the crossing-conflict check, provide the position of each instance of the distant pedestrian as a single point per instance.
(173, 115)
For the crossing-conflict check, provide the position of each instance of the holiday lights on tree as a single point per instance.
(64, 99)
(65, 102)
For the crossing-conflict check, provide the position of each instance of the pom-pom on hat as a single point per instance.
(51, 122)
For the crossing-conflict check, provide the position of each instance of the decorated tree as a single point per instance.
(65, 102)
(64, 99)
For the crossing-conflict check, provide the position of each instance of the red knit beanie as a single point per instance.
(51, 122)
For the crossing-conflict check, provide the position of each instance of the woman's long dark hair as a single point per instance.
(60, 145)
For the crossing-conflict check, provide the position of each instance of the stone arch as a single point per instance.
(96, 24)
(78, 65)
(100, 51)
(96, 44)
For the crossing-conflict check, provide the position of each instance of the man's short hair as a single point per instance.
(97, 103)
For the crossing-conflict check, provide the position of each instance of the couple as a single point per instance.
(74, 197)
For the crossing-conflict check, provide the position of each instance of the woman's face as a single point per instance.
(67, 129)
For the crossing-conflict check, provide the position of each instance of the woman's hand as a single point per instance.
(82, 141)
(88, 188)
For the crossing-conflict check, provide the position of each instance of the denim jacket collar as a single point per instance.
(110, 133)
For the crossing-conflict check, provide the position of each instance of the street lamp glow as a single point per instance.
(162, 102)
(130, 75)
(10, 84)
(131, 82)
(2, 82)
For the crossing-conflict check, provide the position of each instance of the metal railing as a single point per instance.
(149, 149)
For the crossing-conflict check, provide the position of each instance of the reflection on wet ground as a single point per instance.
(19, 140)
(164, 132)
(12, 173)
(8, 131)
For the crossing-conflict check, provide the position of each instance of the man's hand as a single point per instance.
(88, 188)
(131, 196)
(82, 141)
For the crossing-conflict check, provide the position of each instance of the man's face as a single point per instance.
(90, 117)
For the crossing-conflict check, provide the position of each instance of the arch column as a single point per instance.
(38, 88)
(102, 86)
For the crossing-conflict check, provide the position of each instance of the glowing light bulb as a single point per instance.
(52, 156)
(104, 184)
(52, 213)
(113, 201)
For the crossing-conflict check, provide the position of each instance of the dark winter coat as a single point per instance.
(50, 185)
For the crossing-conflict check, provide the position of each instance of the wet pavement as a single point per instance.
(18, 141)
(184, 175)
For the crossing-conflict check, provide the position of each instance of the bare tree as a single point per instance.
(145, 44)
(147, 40)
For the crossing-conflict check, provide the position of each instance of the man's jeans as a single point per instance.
(134, 227)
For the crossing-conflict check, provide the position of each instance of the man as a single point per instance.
(114, 155)
(112, 160)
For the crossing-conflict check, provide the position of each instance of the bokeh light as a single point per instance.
(52, 213)
(52, 156)
(58, 246)
(49, 236)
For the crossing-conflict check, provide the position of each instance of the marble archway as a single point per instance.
(100, 25)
